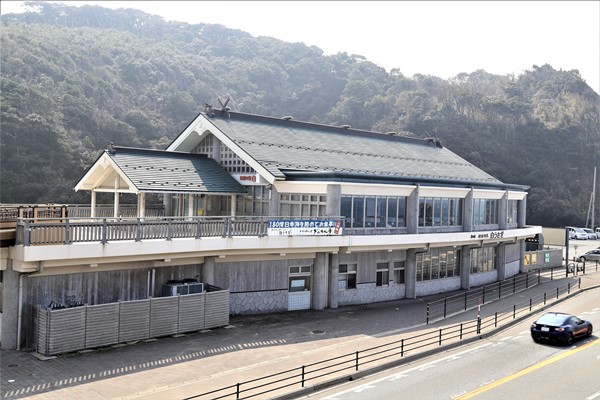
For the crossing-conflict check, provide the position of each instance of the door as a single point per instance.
(299, 288)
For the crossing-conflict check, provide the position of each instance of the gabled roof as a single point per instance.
(141, 170)
(287, 148)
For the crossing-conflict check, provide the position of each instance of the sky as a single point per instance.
(440, 38)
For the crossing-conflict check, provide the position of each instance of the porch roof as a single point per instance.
(133, 170)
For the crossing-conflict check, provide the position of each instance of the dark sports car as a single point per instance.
(560, 327)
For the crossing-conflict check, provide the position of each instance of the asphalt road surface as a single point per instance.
(507, 365)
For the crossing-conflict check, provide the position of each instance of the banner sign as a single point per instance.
(294, 227)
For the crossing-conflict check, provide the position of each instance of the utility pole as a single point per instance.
(592, 205)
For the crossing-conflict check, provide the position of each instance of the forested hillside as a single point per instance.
(73, 79)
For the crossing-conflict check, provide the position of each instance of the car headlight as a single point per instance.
(560, 329)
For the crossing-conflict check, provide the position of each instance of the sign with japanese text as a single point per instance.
(304, 227)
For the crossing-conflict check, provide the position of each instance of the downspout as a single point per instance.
(153, 279)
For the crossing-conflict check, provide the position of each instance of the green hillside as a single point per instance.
(73, 79)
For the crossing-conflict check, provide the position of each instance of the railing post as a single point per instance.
(67, 231)
(303, 376)
(478, 325)
(557, 293)
(26, 236)
(579, 280)
(530, 301)
(544, 298)
(514, 311)
(427, 315)
(237, 392)
(440, 340)
(496, 319)
(569, 288)
(169, 229)
(539, 276)
(357, 360)
(104, 231)
(138, 231)
(402, 348)
(461, 331)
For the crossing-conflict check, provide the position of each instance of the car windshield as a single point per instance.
(553, 319)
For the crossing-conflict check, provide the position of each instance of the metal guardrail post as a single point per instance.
(461, 331)
(514, 311)
(495, 319)
(402, 347)
(530, 301)
(237, 392)
(569, 288)
(557, 293)
(303, 375)
(579, 283)
(357, 361)
(440, 338)
(427, 315)
(478, 325)
(544, 298)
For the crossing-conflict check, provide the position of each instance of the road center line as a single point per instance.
(526, 371)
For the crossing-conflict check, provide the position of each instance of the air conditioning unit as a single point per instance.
(186, 286)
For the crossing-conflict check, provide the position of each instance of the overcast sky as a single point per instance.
(427, 37)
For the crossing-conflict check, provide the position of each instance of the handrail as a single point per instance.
(391, 351)
(54, 231)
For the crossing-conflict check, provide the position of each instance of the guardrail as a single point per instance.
(385, 354)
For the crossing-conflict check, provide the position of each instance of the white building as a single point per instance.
(284, 214)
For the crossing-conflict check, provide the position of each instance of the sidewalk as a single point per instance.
(250, 347)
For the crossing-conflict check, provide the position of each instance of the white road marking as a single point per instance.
(524, 332)
(506, 338)
(363, 388)
(593, 396)
(395, 378)
(403, 373)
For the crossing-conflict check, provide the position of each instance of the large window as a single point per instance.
(483, 259)
(512, 212)
(485, 212)
(255, 202)
(373, 211)
(347, 276)
(383, 274)
(302, 205)
(437, 264)
(440, 211)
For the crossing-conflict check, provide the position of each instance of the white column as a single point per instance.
(233, 204)
(93, 210)
(142, 205)
(116, 207)
(190, 205)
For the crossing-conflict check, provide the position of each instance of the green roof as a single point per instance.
(168, 171)
(282, 146)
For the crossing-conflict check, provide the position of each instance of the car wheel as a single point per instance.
(569, 340)
(589, 332)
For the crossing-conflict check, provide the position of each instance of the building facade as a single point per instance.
(284, 214)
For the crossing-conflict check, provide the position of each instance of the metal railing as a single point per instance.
(385, 354)
(104, 230)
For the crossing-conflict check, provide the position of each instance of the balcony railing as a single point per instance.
(103, 230)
